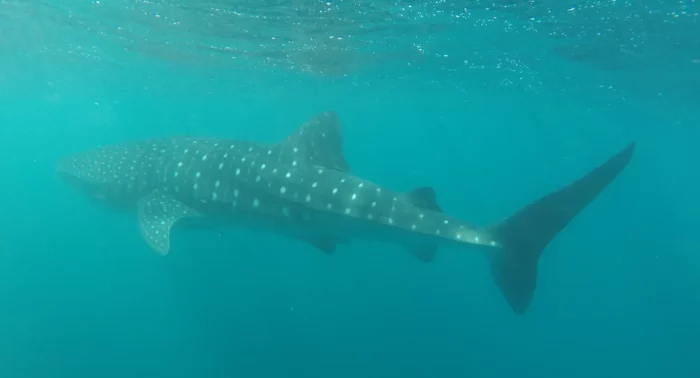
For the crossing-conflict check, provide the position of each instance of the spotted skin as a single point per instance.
(302, 188)
(240, 182)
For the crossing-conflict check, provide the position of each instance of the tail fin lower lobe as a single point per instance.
(526, 233)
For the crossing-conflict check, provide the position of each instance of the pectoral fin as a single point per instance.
(158, 213)
(425, 254)
(325, 245)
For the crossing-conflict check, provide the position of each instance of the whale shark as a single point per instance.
(303, 188)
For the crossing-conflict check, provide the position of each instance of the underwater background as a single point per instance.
(493, 103)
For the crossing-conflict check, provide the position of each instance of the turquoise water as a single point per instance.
(492, 103)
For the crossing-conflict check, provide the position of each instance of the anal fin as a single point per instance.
(158, 213)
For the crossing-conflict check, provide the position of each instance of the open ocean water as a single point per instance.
(493, 103)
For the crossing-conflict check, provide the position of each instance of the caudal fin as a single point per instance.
(526, 233)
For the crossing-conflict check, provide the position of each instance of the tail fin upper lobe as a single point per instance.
(527, 232)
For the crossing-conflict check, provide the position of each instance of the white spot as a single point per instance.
(179, 165)
(308, 198)
(204, 158)
(176, 174)
(269, 152)
(221, 166)
(342, 181)
(329, 206)
(348, 210)
(233, 146)
(235, 193)
(283, 190)
(257, 179)
(274, 170)
(213, 196)
(294, 163)
(187, 150)
(225, 155)
(493, 243)
(459, 236)
(413, 227)
(320, 171)
(314, 185)
(288, 175)
(217, 183)
(256, 202)
(250, 149)
(296, 149)
(238, 171)
(421, 216)
(335, 190)
(361, 185)
(379, 190)
(437, 232)
(446, 221)
(242, 160)
(391, 221)
(374, 204)
(262, 166)
(476, 239)
(197, 174)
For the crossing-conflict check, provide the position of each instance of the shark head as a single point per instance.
(100, 173)
(118, 174)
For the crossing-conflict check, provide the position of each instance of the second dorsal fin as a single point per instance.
(424, 197)
(318, 142)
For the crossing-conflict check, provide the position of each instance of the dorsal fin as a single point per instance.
(318, 142)
(424, 197)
